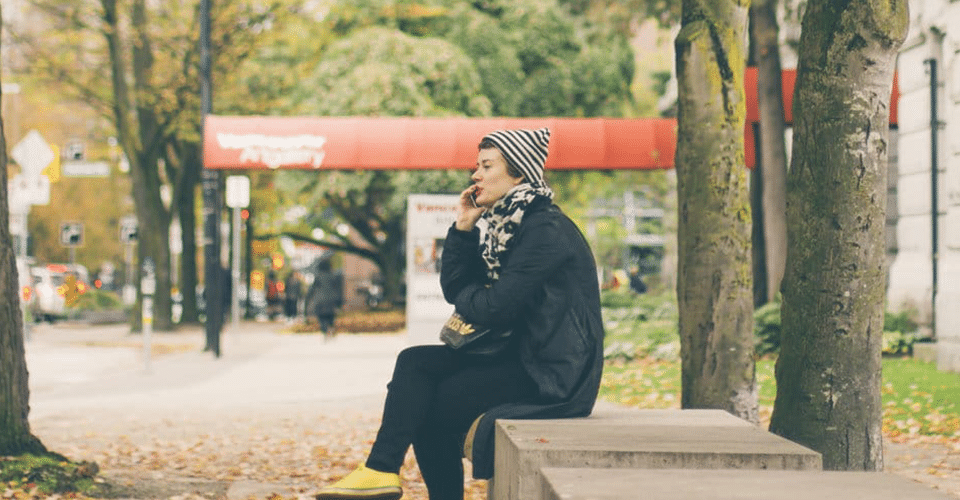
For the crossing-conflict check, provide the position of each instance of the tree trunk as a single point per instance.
(139, 137)
(714, 286)
(15, 436)
(828, 372)
(773, 152)
(186, 196)
(154, 237)
(757, 238)
(392, 266)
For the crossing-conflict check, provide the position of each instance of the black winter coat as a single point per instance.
(549, 293)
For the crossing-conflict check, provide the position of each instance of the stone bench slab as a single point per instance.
(636, 439)
(649, 484)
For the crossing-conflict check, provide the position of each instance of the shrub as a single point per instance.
(898, 342)
(766, 328)
(98, 300)
(899, 330)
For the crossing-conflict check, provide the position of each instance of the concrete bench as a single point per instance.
(673, 484)
(635, 439)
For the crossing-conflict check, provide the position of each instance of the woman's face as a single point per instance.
(491, 177)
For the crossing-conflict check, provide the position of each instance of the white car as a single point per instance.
(50, 288)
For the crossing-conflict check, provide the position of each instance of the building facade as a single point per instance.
(925, 274)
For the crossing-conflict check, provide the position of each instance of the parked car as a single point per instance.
(51, 289)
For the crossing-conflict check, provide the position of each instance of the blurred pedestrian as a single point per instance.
(274, 297)
(636, 281)
(326, 296)
(292, 293)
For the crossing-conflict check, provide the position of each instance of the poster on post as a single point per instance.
(429, 216)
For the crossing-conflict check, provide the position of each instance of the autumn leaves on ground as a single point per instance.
(286, 450)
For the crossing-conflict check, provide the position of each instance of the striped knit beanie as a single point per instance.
(524, 149)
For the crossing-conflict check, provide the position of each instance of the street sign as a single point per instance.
(71, 234)
(32, 153)
(238, 191)
(128, 230)
(75, 150)
(25, 191)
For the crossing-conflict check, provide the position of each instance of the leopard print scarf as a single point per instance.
(502, 221)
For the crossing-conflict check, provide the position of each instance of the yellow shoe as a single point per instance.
(364, 484)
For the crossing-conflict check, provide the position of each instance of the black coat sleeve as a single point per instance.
(460, 263)
(539, 251)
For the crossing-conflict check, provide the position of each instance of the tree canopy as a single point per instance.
(532, 58)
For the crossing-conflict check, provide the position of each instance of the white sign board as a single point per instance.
(238, 191)
(80, 168)
(32, 153)
(25, 191)
(428, 219)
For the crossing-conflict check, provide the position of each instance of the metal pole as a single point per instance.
(21, 252)
(235, 295)
(210, 184)
(147, 330)
(934, 195)
(148, 287)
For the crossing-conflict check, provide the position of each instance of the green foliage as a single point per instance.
(49, 475)
(897, 342)
(536, 58)
(766, 328)
(577, 192)
(98, 300)
(899, 330)
(443, 58)
(380, 71)
(99, 203)
(639, 325)
(903, 321)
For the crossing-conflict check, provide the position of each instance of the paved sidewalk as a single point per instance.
(277, 415)
(80, 366)
(93, 398)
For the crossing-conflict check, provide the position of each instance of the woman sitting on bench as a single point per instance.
(529, 271)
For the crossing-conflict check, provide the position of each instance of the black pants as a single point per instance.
(326, 321)
(290, 307)
(433, 398)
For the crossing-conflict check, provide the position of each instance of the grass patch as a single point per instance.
(643, 365)
(917, 398)
(643, 383)
(47, 475)
(639, 326)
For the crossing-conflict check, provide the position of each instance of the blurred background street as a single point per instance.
(278, 414)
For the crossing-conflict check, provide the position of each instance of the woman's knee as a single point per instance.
(417, 355)
(420, 360)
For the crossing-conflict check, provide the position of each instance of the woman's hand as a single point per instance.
(468, 213)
